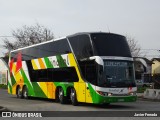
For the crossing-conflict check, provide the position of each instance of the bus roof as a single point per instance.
(39, 44)
(79, 33)
(82, 33)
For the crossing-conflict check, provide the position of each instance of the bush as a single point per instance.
(3, 86)
(141, 89)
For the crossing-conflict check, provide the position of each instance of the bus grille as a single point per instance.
(119, 94)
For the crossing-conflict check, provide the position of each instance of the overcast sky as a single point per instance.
(139, 19)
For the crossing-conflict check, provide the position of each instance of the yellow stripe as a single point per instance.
(43, 87)
(73, 63)
(18, 77)
(14, 68)
(81, 85)
(51, 89)
(41, 63)
(54, 91)
(35, 67)
(14, 89)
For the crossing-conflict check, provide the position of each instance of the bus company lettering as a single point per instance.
(121, 64)
(114, 90)
(66, 61)
(55, 63)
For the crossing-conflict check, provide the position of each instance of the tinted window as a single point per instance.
(89, 71)
(54, 48)
(44, 50)
(107, 44)
(81, 46)
(117, 74)
(65, 74)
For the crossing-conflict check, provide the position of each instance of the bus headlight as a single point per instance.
(102, 93)
(132, 93)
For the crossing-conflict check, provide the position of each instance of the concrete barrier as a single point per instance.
(158, 94)
(152, 94)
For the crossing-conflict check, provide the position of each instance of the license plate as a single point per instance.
(120, 100)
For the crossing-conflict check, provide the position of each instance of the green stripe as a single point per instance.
(60, 61)
(38, 91)
(13, 81)
(26, 81)
(92, 93)
(9, 84)
(10, 87)
(48, 63)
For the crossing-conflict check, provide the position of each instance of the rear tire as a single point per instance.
(25, 92)
(19, 93)
(73, 97)
(61, 96)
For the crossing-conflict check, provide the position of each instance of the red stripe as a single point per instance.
(19, 62)
(11, 64)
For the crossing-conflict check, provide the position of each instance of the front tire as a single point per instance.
(73, 97)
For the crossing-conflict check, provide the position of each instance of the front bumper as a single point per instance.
(113, 99)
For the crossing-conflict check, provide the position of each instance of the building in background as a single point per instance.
(3, 70)
(156, 66)
(143, 70)
(156, 72)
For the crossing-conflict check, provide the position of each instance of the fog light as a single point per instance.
(109, 94)
(132, 93)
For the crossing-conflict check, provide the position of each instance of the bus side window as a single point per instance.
(91, 74)
(43, 75)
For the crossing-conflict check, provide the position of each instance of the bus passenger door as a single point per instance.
(91, 73)
(81, 91)
(89, 93)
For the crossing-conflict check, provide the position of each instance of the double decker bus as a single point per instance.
(90, 67)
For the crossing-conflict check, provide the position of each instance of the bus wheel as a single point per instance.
(61, 96)
(25, 92)
(73, 97)
(19, 93)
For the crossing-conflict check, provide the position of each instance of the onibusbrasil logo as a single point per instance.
(21, 114)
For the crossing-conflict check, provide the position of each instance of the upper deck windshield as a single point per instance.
(117, 74)
(107, 44)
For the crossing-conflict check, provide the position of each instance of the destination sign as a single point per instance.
(112, 63)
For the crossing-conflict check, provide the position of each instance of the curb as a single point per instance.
(3, 108)
(145, 99)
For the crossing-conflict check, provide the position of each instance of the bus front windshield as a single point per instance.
(117, 74)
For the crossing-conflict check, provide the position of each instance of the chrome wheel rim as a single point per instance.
(72, 95)
(25, 94)
(19, 92)
(60, 94)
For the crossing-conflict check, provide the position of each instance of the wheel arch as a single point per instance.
(66, 89)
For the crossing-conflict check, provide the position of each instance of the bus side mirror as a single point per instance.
(100, 69)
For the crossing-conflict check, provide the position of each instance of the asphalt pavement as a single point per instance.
(12, 103)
